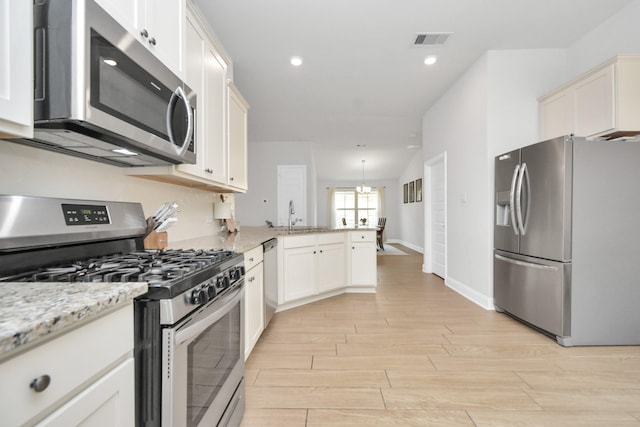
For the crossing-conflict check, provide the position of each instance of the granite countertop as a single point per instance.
(249, 237)
(32, 312)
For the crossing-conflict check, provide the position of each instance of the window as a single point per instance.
(354, 206)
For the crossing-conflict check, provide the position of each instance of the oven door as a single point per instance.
(203, 365)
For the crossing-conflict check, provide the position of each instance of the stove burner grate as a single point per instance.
(155, 267)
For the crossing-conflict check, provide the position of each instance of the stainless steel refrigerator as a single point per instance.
(567, 239)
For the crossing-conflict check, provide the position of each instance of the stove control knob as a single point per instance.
(211, 292)
(222, 282)
(199, 296)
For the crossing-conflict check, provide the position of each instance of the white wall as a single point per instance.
(260, 201)
(492, 108)
(410, 215)
(619, 34)
(28, 171)
(457, 125)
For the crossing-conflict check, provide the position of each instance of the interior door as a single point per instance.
(438, 225)
(547, 209)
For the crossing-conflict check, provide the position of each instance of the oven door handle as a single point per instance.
(199, 325)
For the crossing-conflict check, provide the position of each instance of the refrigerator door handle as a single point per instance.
(526, 264)
(512, 194)
(522, 220)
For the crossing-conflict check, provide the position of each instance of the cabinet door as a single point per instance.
(237, 109)
(253, 308)
(194, 77)
(331, 267)
(215, 100)
(165, 23)
(16, 69)
(158, 24)
(556, 115)
(206, 73)
(300, 275)
(108, 402)
(363, 264)
(594, 103)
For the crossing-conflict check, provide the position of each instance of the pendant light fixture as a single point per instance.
(363, 188)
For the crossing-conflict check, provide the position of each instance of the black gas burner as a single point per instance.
(159, 267)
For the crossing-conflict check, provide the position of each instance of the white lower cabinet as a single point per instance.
(105, 403)
(83, 377)
(253, 299)
(312, 264)
(363, 259)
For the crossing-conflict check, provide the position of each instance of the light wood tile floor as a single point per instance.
(418, 354)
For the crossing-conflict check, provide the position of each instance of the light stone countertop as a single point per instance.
(33, 312)
(249, 237)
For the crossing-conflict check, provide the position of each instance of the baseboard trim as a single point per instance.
(407, 244)
(470, 293)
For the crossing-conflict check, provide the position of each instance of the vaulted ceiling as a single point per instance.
(363, 87)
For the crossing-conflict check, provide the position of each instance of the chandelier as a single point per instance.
(363, 188)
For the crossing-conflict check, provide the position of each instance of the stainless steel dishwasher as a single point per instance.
(270, 279)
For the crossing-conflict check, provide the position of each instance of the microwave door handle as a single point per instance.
(179, 93)
(512, 193)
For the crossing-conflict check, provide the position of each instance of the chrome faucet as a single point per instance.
(292, 211)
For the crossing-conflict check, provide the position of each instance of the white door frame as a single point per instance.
(427, 265)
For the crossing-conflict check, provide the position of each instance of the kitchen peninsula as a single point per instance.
(313, 262)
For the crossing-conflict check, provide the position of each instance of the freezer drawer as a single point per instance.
(535, 290)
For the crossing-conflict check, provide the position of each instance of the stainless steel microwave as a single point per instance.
(102, 95)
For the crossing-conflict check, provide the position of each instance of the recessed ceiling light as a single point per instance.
(430, 60)
(296, 61)
(110, 61)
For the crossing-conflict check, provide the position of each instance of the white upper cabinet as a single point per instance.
(221, 132)
(158, 24)
(237, 108)
(206, 74)
(603, 102)
(16, 69)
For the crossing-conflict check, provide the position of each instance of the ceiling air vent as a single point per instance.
(431, 39)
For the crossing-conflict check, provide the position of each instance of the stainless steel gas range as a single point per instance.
(189, 342)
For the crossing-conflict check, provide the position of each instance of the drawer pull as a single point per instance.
(41, 383)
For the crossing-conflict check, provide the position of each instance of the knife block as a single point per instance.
(156, 240)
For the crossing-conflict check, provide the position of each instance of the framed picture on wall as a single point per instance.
(412, 191)
(419, 190)
(406, 193)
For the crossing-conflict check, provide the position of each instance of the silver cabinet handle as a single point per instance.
(41, 383)
(512, 199)
(152, 41)
(526, 264)
(144, 33)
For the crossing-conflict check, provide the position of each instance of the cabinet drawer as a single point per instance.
(363, 236)
(326, 238)
(253, 257)
(72, 361)
(300, 241)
